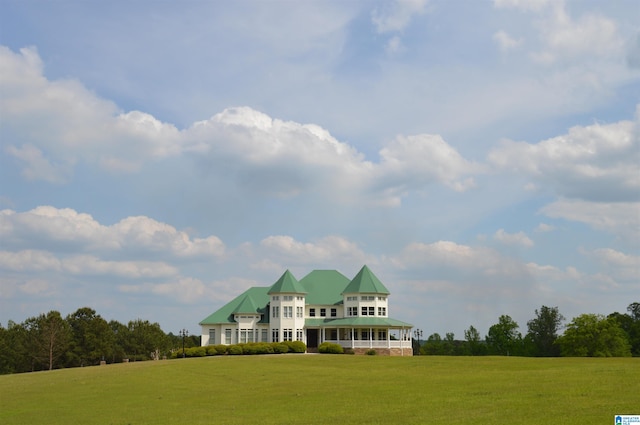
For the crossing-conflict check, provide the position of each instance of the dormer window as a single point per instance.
(312, 312)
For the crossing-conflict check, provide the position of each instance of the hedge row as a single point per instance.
(243, 349)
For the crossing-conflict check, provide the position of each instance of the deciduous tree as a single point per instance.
(543, 331)
(591, 335)
(503, 337)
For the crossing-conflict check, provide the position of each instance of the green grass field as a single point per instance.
(328, 389)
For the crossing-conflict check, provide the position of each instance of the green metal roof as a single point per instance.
(366, 282)
(287, 284)
(357, 322)
(324, 287)
(246, 306)
(256, 295)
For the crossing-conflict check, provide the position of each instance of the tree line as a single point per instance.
(83, 338)
(587, 335)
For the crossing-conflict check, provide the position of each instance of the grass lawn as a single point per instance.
(328, 389)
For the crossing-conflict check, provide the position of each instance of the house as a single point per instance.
(323, 306)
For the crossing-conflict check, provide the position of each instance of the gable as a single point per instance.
(256, 297)
(365, 282)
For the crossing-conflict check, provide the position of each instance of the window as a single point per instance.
(333, 334)
(352, 311)
(227, 336)
(367, 298)
(352, 298)
(287, 334)
(299, 335)
(364, 311)
(287, 297)
(243, 335)
(287, 312)
(275, 335)
(312, 312)
(212, 336)
(300, 312)
(323, 312)
(365, 335)
(382, 311)
(250, 335)
(334, 312)
(275, 312)
(275, 297)
(382, 335)
(300, 298)
(371, 311)
(382, 298)
(265, 335)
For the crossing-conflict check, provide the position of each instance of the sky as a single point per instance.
(158, 158)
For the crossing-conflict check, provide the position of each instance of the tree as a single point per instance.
(591, 335)
(543, 331)
(474, 345)
(433, 345)
(503, 337)
(47, 339)
(146, 340)
(630, 324)
(93, 340)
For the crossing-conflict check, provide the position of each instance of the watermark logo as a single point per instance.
(627, 419)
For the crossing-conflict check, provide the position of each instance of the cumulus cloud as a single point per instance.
(505, 41)
(514, 239)
(331, 251)
(595, 163)
(397, 15)
(620, 218)
(67, 230)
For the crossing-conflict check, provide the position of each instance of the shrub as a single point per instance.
(330, 348)
(296, 346)
(371, 352)
(279, 347)
(211, 351)
(195, 352)
(221, 349)
(234, 350)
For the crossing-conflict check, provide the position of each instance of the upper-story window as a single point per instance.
(300, 298)
(312, 312)
(367, 311)
(275, 297)
(275, 311)
(287, 297)
(367, 298)
(334, 312)
(382, 298)
(287, 312)
(299, 311)
(352, 311)
(382, 311)
(323, 312)
(352, 298)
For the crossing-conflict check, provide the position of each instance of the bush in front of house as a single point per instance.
(235, 350)
(330, 348)
(371, 352)
(280, 348)
(296, 346)
(195, 352)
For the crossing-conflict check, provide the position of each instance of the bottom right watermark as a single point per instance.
(627, 419)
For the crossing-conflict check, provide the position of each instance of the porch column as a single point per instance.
(389, 338)
(338, 335)
(352, 342)
(370, 337)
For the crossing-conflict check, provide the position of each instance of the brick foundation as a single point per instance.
(384, 351)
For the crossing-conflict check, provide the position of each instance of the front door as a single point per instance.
(312, 338)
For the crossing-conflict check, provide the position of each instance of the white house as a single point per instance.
(323, 306)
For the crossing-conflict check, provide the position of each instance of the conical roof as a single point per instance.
(287, 284)
(246, 306)
(365, 282)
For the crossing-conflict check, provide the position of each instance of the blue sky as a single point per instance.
(158, 158)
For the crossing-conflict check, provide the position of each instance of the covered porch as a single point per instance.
(386, 336)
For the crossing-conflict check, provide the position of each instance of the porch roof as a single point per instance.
(375, 322)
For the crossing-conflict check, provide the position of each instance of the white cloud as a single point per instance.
(50, 226)
(518, 239)
(505, 41)
(534, 5)
(544, 228)
(620, 218)
(397, 15)
(597, 162)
